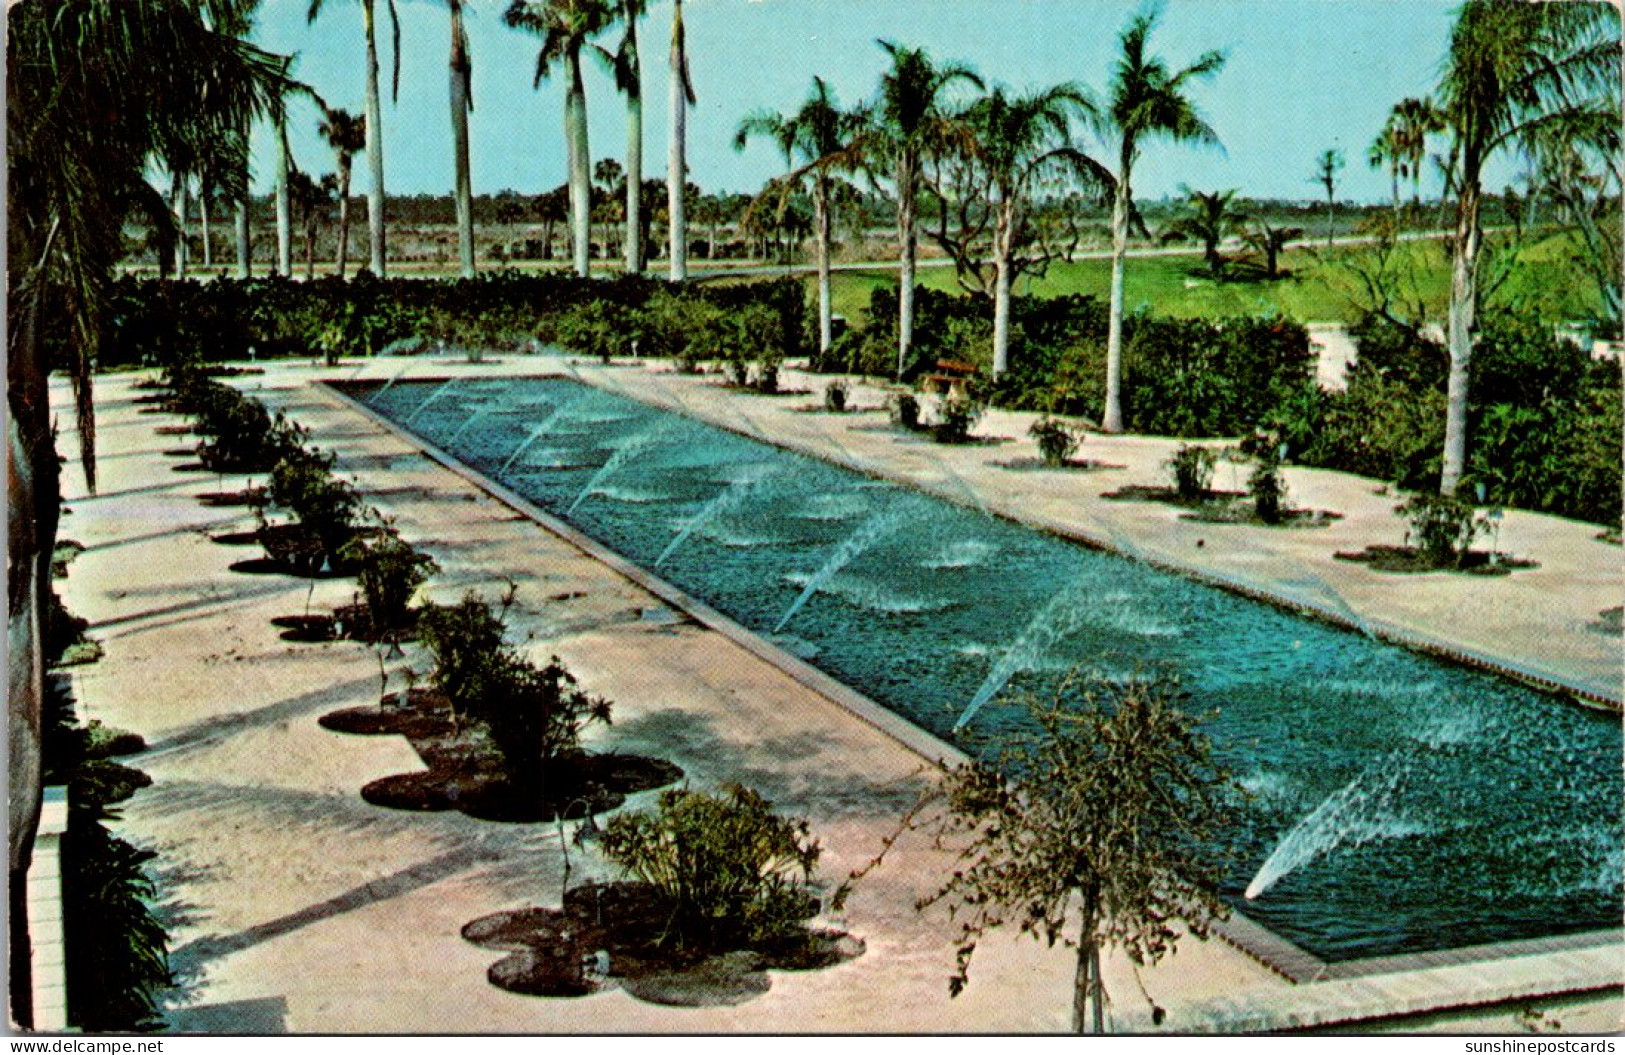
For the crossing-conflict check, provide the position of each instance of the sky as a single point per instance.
(1301, 76)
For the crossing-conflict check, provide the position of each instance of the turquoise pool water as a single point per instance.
(1398, 803)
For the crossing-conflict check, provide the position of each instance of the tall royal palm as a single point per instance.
(627, 66)
(817, 141)
(1515, 69)
(565, 27)
(911, 122)
(1146, 101)
(682, 97)
(1020, 141)
(462, 104)
(95, 94)
(346, 135)
(375, 121)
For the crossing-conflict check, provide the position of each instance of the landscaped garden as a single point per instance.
(1060, 501)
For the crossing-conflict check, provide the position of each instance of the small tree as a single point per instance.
(470, 656)
(1106, 831)
(536, 716)
(389, 573)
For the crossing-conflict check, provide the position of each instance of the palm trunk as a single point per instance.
(310, 251)
(826, 320)
(181, 253)
(1003, 235)
(284, 207)
(32, 510)
(461, 103)
(575, 134)
(1112, 416)
(203, 227)
(1331, 204)
(375, 148)
(634, 173)
(1462, 310)
(907, 237)
(1393, 175)
(677, 162)
(344, 217)
(245, 245)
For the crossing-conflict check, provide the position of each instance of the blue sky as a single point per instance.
(1302, 76)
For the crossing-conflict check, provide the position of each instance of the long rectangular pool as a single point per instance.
(1397, 803)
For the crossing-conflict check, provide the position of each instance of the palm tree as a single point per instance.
(1388, 149)
(565, 26)
(609, 179)
(1270, 241)
(284, 201)
(682, 97)
(462, 104)
(628, 69)
(310, 200)
(1208, 220)
(1327, 165)
(1019, 141)
(1146, 101)
(346, 134)
(1413, 120)
(1515, 70)
(96, 93)
(375, 121)
(817, 141)
(912, 122)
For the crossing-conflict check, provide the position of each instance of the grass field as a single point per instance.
(1321, 285)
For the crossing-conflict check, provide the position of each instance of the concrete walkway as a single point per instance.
(296, 906)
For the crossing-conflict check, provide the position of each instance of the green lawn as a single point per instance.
(1320, 286)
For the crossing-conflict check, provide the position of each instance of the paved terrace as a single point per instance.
(295, 906)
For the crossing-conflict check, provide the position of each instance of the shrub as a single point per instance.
(955, 419)
(327, 508)
(1443, 527)
(389, 572)
(536, 715)
(836, 395)
(732, 870)
(1192, 468)
(1057, 441)
(599, 328)
(1543, 427)
(904, 410)
(1266, 485)
(470, 657)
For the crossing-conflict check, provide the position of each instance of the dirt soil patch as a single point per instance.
(466, 771)
(1169, 496)
(610, 936)
(1407, 560)
(1071, 465)
(247, 496)
(1244, 512)
(350, 622)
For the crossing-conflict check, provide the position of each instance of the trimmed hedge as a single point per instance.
(185, 321)
(1181, 377)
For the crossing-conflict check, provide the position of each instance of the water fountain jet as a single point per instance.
(867, 534)
(623, 454)
(728, 498)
